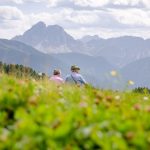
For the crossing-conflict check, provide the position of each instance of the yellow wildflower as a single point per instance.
(113, 73)
(130, 82)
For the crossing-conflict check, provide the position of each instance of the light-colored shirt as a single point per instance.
(75, 78)
(57, 79)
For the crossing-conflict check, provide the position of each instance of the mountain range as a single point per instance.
(118, 51)
(50, 39)
(47, 47)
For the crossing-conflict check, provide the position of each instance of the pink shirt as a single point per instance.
(57, 79)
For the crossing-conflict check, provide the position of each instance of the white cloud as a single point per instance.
(85, 3)
(91, 3)
(126, 2)
(71, 18)
(12, 20)
(79, 20)
(10, 13)
(146, 3)
(83, 17)
(53, 3)
(12, 1)
(101, 3)
(23, 1)
(52, 17)
(132, 17)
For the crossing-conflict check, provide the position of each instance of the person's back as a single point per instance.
(57, 77)
(75, 77)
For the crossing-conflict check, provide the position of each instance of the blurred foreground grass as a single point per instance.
(38, 115)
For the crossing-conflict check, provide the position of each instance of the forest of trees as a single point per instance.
(20, 71)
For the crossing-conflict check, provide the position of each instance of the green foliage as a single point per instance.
(142, 90)
(39, 115)
(19, 71)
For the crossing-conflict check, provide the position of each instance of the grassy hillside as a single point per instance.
(39, 115)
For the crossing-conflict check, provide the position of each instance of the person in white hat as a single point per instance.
(75, 77)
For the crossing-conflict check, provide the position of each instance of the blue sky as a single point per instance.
(106, 18)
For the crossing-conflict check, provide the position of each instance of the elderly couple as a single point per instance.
(74, 77)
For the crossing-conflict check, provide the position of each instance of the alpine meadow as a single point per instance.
(74, 74)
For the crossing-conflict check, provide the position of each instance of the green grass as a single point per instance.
(38, 115)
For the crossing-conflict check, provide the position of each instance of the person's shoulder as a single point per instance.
(79, 75)
(68, 75)
(61, 79)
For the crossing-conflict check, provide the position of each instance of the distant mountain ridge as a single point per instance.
(19, 53)
(88, 38)
(138, 71)
(49, 39)
(118, 51)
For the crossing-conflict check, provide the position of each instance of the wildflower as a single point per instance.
(145, 98)
(38, 90)
(137, 106)
(129, 135)
(21, 82)
(130, 82)
(33, 80)
(56, 124)
(147, 108)
(97, 101)
(117, 97)
(4, 135)
(33, 100)
(40, 73)
(99, 96)
(109, 98)
(86, 131)
(113, 73)
(62, 101)
(83, 104)
(60, 88)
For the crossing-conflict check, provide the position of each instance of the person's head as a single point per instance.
(75, 68)
(57, 72)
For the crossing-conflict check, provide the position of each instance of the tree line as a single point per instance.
(20, 71)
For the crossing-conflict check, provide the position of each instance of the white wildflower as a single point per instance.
(130, 82)
(145, 98)
(40, 73)
(83, 104)
(117, 97)
(113, 73)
